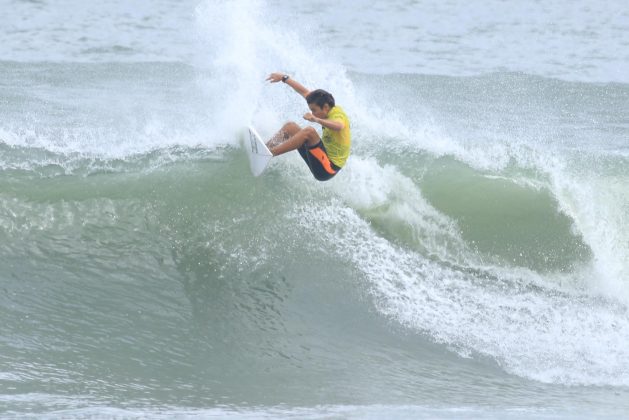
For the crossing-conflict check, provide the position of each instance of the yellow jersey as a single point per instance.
(337, 143)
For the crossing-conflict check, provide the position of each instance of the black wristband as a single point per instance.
(285, 78)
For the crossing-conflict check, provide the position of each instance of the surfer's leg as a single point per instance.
(287, 131)
(306, 135)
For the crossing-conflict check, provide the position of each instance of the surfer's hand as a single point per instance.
(308, 116)
(275, 77)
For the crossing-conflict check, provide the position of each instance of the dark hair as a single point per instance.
(320, 97)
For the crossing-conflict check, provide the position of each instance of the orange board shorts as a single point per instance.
(316, 157)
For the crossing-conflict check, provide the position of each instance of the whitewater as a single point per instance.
(470, 261)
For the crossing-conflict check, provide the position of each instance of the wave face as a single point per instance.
(473, 253)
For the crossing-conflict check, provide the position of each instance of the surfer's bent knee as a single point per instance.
(291, 127)
(311, 134)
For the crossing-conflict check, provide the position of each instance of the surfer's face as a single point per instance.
(319, 112)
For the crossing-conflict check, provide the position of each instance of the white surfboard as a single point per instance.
(259, 155)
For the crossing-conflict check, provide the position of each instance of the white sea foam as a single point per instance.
(532, 331)
(546, 327)
(438, 286)
(599, 206)
(387, 197)
(242, 58)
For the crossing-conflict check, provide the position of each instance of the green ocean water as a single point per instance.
(469, 262)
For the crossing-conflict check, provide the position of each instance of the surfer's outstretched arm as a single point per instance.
(281, 77)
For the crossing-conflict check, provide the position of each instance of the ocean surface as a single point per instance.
(471, 261)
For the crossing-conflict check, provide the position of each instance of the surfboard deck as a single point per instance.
(259, 155)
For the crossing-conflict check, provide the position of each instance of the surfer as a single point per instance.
(324, 155)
